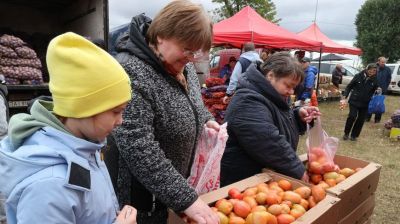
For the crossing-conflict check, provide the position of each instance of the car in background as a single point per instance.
(394, 85)
(326, 69)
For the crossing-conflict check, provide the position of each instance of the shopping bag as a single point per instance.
(204, 174)
(377, 104)
(321, 149)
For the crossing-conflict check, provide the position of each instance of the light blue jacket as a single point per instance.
(50, 176)
(237, 71)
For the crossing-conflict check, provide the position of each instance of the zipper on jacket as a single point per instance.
(196, 116)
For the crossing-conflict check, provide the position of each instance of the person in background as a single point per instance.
(337, 75)
(263, 130)
(249, 56)
(299, 55)
(226, 71)
(361, 88)
(50, 165)
(384, 74)
(304, 90)
(164, 119)
(264, 55)
(384, 77)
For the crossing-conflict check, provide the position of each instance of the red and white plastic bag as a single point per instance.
(321, 150)
(204, 175)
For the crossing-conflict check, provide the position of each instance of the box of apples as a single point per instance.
(350, 179)
(269, 198)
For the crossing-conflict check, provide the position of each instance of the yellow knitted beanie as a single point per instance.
(84, 79)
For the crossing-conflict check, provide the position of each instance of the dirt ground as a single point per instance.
(372, 145)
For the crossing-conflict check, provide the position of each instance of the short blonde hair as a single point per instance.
(185, 22)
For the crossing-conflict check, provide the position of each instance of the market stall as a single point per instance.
(248, 26)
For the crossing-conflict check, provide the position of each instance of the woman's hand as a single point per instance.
(305, 177)
(201, 213)
(213, 124)
(308, 113)
(226, 99)
(127, 215)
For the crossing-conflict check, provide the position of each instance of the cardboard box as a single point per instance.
(369, 221)
(324, 212)
(356, 188)
(362, 213)
(394, 134)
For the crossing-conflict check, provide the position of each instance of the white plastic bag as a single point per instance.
(204, 175)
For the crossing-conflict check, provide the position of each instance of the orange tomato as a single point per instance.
(316, 178)
(295, 198)
(242, 209)
(285, 219)
(303, 191)
(285, 185)
(318, 193)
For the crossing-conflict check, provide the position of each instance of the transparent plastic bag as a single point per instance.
(321, 150)
(204, 174)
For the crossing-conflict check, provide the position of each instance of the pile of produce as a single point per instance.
(18, 63)
(213, 94)
(323, 172)
(329, 91)
(276, 202)
(394, 121)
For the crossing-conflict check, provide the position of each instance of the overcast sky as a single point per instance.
(335, 18)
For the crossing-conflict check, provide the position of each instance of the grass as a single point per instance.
(374, 146)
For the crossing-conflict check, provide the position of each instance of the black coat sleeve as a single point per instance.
(350, 86)
(261, 139)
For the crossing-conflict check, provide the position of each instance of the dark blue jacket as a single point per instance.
(263, 131)
(361, 88)
(384, 77)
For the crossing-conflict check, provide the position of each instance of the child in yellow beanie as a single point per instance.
(50, 165)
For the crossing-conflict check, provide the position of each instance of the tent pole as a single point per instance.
(319, 68)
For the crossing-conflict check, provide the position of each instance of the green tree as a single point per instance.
(266, 8)
(378, 30)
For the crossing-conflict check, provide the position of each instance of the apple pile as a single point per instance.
(323, 171)
(267, 203)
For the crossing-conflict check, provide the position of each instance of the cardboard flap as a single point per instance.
(349, 183)
(240, 185)
(303, 157)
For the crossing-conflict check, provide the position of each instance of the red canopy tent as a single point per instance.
(314, 33)
(247, 25)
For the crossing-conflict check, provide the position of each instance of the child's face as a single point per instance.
(99, 126)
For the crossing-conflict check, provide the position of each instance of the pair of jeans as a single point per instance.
(355, 121)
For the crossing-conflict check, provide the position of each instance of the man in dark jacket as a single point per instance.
(361, 88)
(337, 75)
(263, 130)
(384, 78)
(384, 74)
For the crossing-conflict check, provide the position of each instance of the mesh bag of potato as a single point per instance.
(19, 63)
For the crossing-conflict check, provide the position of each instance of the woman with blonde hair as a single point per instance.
(166, 115)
